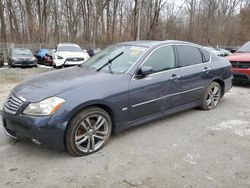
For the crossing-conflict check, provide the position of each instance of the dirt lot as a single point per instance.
(190, 149)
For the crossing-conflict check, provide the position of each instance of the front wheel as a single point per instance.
(88, 131)
(211, 97)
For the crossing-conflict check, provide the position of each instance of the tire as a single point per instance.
(211, 97)
(10, 65)
(88, 131)
(57, 67)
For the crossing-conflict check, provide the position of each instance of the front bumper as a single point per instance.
(24, 63)
(36, 129)
(72, 63)
(63, 62)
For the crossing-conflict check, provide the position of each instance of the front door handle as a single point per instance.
(174, 77)
(206, 70)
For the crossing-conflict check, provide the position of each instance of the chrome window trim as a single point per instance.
(199, 47)
(165, 45)
(176, 68)
(166, 96)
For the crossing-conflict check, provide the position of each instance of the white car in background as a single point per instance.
(68, 54)
(215, 51)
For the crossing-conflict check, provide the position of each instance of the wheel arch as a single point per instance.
(222, 85)
(101, 105)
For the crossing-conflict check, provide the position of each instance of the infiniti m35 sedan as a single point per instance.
(124, 85)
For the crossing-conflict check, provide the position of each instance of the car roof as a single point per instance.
(152, 43)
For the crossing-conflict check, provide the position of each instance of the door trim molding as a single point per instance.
(166, 96)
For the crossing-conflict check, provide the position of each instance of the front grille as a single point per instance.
(13, 104)
(25, 62)
(240, 64)
(75, 59)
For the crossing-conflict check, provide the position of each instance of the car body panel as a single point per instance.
(41, 53)
(148, 96)
(128, 99)
(241, 64)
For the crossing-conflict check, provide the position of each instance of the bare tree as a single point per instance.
(104, 22)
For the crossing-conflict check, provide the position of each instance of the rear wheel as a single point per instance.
(88, 131)
(212, 96)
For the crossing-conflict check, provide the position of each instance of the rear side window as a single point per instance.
(189, 55)
(161, 59)
(205, 56)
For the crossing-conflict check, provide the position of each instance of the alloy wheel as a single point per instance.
(213, 96)
(91, 133)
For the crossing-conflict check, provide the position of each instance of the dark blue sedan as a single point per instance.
(124, 85)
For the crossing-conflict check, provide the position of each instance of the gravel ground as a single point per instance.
(189, 149)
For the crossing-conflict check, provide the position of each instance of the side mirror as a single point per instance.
(144, 71)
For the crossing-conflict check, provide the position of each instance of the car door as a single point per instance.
(195, 69)
(147, 95)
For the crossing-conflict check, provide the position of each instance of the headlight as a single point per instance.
(59, 57)
(33, 59)
(45, 107)
(14, 59)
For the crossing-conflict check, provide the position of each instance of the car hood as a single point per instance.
(67, 54)
(239, 57)
(53, 83)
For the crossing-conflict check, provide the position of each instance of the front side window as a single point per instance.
(189, 55)
(161, 59)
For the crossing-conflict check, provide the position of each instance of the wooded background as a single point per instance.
(104, 22)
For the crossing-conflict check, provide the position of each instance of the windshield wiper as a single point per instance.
(109, 62)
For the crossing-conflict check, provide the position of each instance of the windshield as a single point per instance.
(245, 48)
(70, 48)
(126, 56)
(20, 51)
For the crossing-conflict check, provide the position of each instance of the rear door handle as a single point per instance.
(206, 70)
(174, 77)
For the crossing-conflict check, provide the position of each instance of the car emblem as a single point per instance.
(75, 59)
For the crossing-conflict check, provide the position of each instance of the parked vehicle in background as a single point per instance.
(226, 52)
(42, 57)
(122, 86)
(69, 54)
(48, 59)
(21, 57)
(1, 59)
(240, 61)
(93, 52)
(232, 49)
(215, 51)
